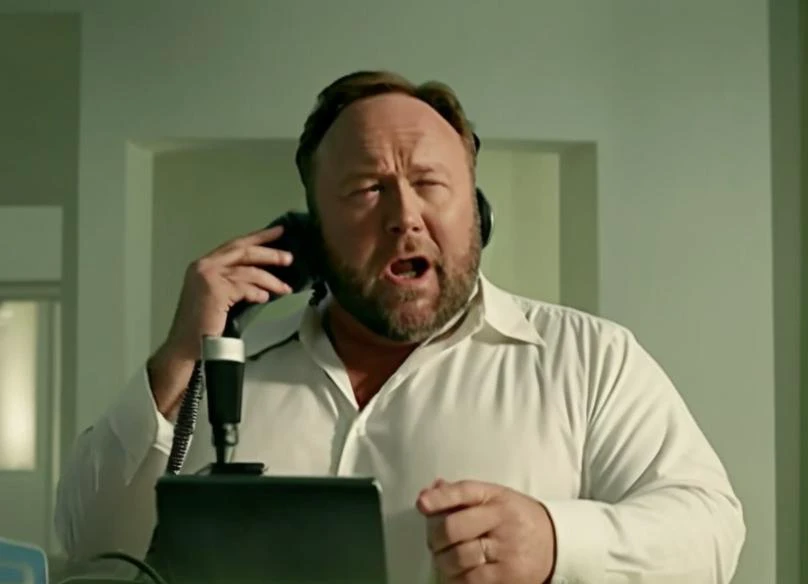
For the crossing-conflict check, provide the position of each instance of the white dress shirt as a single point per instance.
(558, 404)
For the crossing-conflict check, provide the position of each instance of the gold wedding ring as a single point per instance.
(484, 550)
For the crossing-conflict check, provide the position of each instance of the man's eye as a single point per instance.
(427, 182)
(428, 185)
(377, 188)
(366, 190)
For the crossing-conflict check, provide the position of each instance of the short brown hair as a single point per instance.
(362, 84)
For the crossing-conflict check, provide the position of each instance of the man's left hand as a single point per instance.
(482, 533)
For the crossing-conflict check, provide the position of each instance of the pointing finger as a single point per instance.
(255, 255)
(262, 236)
(259, 237)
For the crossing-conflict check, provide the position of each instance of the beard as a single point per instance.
(388, 310)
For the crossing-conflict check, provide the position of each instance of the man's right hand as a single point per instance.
(212, 285)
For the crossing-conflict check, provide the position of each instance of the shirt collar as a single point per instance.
(488, 306)
(502, 312)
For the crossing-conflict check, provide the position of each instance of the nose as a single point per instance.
(404, 210)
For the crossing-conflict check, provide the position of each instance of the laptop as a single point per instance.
(270, 530)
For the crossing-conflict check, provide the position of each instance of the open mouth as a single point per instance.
(409, 268)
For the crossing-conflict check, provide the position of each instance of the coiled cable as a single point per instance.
(186, 422)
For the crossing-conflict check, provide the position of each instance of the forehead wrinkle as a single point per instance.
(363, 137)
(380, 152)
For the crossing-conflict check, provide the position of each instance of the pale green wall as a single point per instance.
(579, 255)
(138, 182)
(522, 186)
(785, 157)
(39, 145)
(30, 244)
(38, 108)
(803, 547)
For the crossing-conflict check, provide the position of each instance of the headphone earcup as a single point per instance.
(486, 218)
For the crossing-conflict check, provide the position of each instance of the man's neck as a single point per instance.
(348, 334)
(369, 359)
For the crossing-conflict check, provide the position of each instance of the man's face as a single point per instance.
(395, 200)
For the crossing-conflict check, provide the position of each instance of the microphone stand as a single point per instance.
(223, 362)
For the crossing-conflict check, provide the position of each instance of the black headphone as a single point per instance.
(483, 206)
(486, 217)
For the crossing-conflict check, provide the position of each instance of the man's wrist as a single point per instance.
(169, 373)
(552, 553)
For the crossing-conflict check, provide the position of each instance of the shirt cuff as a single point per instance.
(138, 425)
(582, 533)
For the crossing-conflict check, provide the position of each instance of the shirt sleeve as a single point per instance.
(105, 497)
(657, 506)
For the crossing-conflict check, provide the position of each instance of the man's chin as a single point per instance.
(411, 307)
(393, 295)
(411, 321)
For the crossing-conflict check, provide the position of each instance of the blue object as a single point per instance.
(22, 563)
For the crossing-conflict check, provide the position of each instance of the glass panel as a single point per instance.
(18, 383)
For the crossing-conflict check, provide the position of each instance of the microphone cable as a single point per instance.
(186, 422)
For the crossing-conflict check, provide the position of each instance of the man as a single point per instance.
(516, 442)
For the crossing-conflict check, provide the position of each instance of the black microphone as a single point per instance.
(223, 360)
